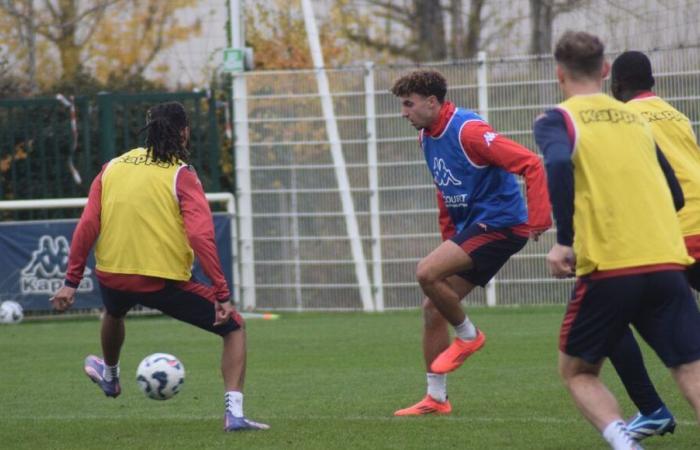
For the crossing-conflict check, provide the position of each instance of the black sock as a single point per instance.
(629, 364)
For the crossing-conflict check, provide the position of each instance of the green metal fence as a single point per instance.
(37, 143)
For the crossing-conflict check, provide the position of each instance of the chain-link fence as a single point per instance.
(299, 253)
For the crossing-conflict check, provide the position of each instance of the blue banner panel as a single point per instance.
(34, 260)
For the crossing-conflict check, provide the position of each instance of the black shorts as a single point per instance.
(188, 302)
(692, 273)
(489, 249)
(659, 304)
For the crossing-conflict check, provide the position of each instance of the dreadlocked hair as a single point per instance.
(164, 125)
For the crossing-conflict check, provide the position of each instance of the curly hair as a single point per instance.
(581, 53)
(422, 82)
(164, 125)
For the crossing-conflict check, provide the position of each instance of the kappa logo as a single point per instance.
(489, 136)
(46, 270)
(610, 115)
(442, 175)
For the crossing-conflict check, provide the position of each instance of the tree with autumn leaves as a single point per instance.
(111, 44)
(76, 43)
(107, 44)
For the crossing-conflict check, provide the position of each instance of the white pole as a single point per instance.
(338, 158)
(235, 265)
(482, 83)
(242, 157)
(296, 248)
(79, 202)
(373, 175)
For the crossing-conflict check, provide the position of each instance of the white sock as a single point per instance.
(110, 372)
(617, 436)
(466, 330)
(437, 386)
(234, 403)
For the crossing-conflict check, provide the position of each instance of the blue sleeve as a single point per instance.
(673, 184)
(556, 146)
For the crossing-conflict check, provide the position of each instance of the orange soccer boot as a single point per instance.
(426, 406)
(454, 355)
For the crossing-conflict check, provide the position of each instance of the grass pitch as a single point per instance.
(322, 381)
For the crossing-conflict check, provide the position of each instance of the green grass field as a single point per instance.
(322, 381)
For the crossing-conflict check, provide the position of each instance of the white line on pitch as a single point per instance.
(546, 420)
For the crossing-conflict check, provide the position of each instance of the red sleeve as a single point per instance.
(86, 233)
(447, 227)
(199, 228)
(483, 146)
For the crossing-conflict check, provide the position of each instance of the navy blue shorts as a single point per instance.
(187, 302)
(489, 249)
(659, 304)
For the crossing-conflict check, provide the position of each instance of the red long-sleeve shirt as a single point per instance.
(199, 229)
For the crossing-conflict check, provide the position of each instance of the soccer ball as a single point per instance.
(11, 312)
(160, 376)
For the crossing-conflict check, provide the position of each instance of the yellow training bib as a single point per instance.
(623, 209)
(141, 228)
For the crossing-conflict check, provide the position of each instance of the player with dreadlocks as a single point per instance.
(150, 213)
(168, 129)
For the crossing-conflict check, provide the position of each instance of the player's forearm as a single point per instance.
(519, 160)
(85, 234)
(83, 239)
(199, 229)
(556, 145)
(561, 190)
(205, 248)
(538, 203)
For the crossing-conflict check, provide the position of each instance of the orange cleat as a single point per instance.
(426, 406)
(454, 355)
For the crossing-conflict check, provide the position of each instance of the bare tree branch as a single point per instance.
(97, 10)
(623, 7)
(52, 10)
(97, 16)
(161, 23)
(474, 26)
(377, 44)
(542, 16)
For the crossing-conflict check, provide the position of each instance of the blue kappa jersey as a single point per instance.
(472, 193)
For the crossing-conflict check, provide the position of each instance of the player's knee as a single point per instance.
(232, 335)
(425, 274)
(572, 369)
(564, 374)
(566, 368)
(112, 316)
(567, 376)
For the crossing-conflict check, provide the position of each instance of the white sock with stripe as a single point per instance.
(617, 436)
(110, 372)
(437, 386)
(466, 330)
(234, 403)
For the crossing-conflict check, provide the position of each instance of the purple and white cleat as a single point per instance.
(232, 423)
(94, 367)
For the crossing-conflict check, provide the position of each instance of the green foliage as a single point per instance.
(323, 381)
